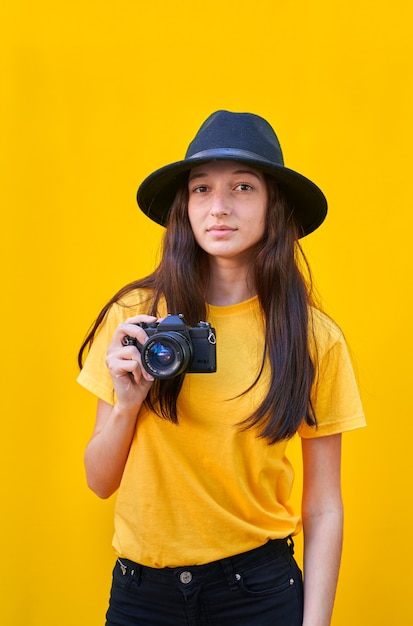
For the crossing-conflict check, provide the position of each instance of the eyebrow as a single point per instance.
(236, 172)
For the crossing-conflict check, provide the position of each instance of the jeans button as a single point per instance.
(185, 577)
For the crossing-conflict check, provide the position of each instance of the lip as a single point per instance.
(220, 230)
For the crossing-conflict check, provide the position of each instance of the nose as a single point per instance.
(220, 204)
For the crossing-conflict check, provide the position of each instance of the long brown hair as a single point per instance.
(285, 297)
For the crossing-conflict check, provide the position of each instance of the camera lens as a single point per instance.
(166, 354)
(161, 355)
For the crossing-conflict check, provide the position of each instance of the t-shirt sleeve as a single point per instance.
(94, 375)
(335, 396)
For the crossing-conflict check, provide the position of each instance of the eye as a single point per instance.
(244, 187)
(199, 189)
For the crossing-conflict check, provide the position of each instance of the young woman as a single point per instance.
(203, 523)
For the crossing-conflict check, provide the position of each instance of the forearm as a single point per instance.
(108, 449)
(322, 554)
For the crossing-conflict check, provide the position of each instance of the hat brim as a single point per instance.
(157, 192)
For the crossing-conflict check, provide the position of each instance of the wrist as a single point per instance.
(125, 411)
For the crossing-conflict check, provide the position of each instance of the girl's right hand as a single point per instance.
(131, 381)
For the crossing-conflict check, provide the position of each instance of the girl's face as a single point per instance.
(227, 208)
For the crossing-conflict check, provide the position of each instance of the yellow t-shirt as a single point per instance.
(203, 490)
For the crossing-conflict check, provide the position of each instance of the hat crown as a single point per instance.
(239, 132)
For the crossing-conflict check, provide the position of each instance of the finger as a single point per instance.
(130, 330)
(120, 367)
(127, 361)
(137, 319)
(141, 375)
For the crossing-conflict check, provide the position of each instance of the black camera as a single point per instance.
(173, 347)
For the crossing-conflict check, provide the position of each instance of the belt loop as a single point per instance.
(136, 572)
(233, 578)
(290, 544)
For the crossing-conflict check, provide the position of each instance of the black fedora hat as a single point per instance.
(243, 137)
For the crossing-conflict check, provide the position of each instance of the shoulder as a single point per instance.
(125, 304)
(324, 333)
(134, 300)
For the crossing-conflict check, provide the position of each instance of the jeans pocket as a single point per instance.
(271, 577)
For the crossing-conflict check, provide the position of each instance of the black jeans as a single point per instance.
(262, 587)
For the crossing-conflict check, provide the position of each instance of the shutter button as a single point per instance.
(185, 577)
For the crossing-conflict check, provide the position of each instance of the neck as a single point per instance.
(229, 284)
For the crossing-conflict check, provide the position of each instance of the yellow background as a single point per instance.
(97, 94)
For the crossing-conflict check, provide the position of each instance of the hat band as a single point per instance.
(216, 153)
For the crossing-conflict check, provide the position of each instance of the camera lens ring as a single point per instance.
(166, 354)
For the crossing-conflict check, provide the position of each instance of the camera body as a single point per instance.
(173, 347)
